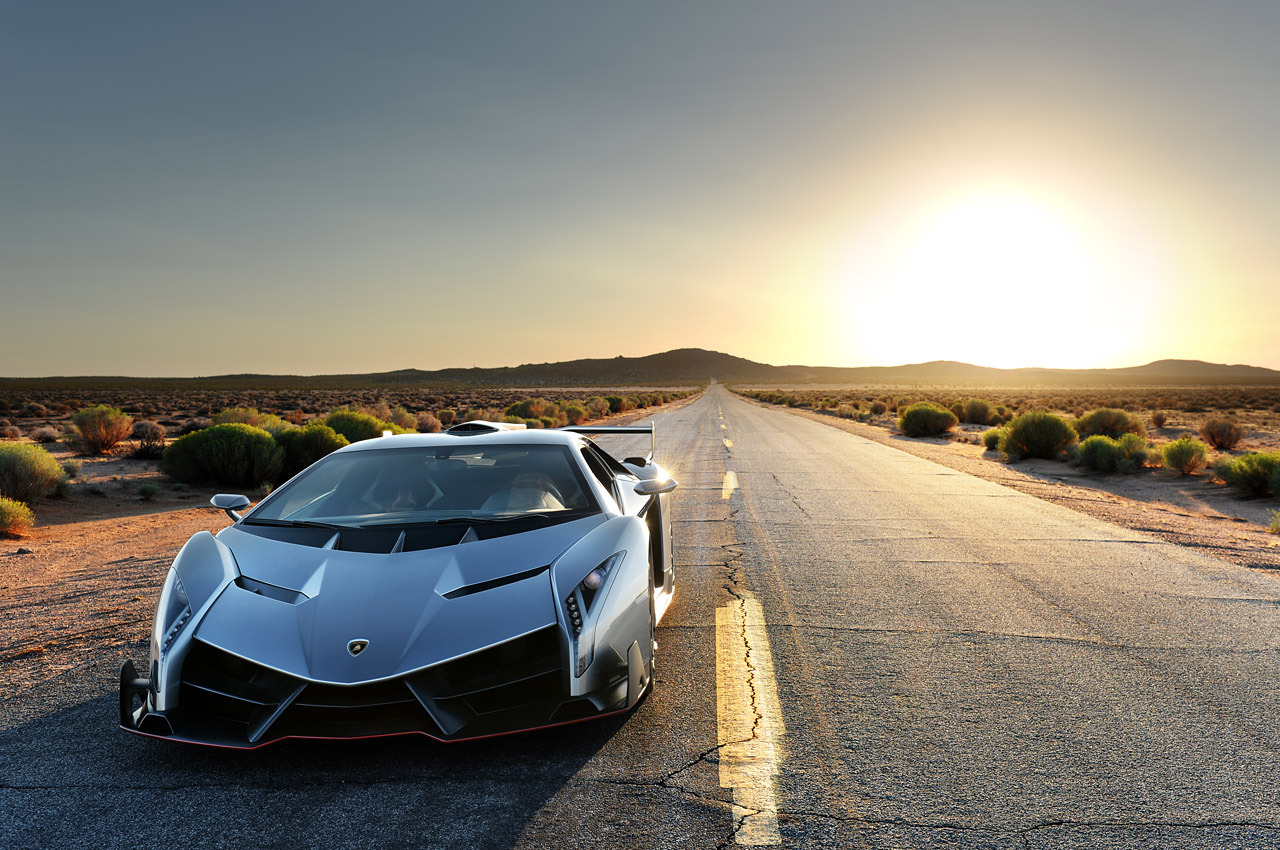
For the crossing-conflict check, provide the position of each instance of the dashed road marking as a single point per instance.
(730, 484)
(748, 719)
(728, 444)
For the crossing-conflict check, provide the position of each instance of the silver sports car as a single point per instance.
(477, 582)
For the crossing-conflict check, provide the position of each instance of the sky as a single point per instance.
(318, 188)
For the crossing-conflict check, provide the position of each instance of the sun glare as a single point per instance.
(998, 278)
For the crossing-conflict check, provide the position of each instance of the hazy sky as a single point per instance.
(318, 188)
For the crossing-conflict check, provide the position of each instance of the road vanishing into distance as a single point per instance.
(865, 650)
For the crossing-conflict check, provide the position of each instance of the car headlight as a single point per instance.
(172, 615)
(578, 606)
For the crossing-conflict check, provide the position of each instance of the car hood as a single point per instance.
(301, 606)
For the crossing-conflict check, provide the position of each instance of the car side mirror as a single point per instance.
(230, 503)
(655, 486)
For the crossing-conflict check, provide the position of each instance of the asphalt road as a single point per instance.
(865, 650)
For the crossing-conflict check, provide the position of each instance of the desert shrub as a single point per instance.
(1135, 449)
(193, 425)
(957, 409)
(1036, 433)
(617, 404)
(530, 408)
(925, 419)
(9, 432)
(28, 472)
(306, 445)
(575, 414)
(447, 416)
(71, 466)
(1158, 418)
(380, 410)
(268, 422)
(1185, 455)
(356, 426)
(597, 407)
(1275, 482)
(410, 421)
(1222, 434)
(1103, 454)
(1099, 453)
(15, 518)
(991, 439)
(878, 408)
(148, 491)
(233, 454)
(45, 434)
(98, 429)
(1251, 473)
(976, 412)
(150, 436)
(426, 423)
(1274, 525)
(532, 423)
(1110, 422)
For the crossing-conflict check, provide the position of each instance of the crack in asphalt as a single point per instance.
(733, 586)
(795, 501)
(671, 782)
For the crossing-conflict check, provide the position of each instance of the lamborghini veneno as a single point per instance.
(477, 582)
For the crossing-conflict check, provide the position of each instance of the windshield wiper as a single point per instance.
(295, 523)
(490, 520)
(474, 520)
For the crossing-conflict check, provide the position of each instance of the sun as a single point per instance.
(998, 277)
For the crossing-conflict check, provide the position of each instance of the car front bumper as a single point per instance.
(515, 686)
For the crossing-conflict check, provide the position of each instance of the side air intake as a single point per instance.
(481, 426)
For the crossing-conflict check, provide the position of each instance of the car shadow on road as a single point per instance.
(72, 775)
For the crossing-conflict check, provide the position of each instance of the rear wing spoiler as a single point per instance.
(619, 429)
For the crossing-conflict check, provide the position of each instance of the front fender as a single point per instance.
(619, 613)
(205, 566)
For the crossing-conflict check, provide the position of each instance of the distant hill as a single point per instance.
(685, 366)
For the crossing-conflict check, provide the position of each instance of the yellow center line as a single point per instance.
(748, 720)
(730, 484)
(728, 444)
(724, 427)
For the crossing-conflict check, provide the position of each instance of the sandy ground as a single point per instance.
(1192, 510)
(80, 589)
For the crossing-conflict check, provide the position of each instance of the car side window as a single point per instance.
(609, 461)
(600, 471)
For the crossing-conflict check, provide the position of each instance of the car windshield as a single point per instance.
(432, 484)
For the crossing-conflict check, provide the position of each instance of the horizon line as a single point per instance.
(925, 363)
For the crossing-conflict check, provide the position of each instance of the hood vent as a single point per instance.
(481, 586)
(374, 541)
(390, 540)
(271, 591)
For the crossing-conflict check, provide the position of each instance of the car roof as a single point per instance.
(532, 436)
